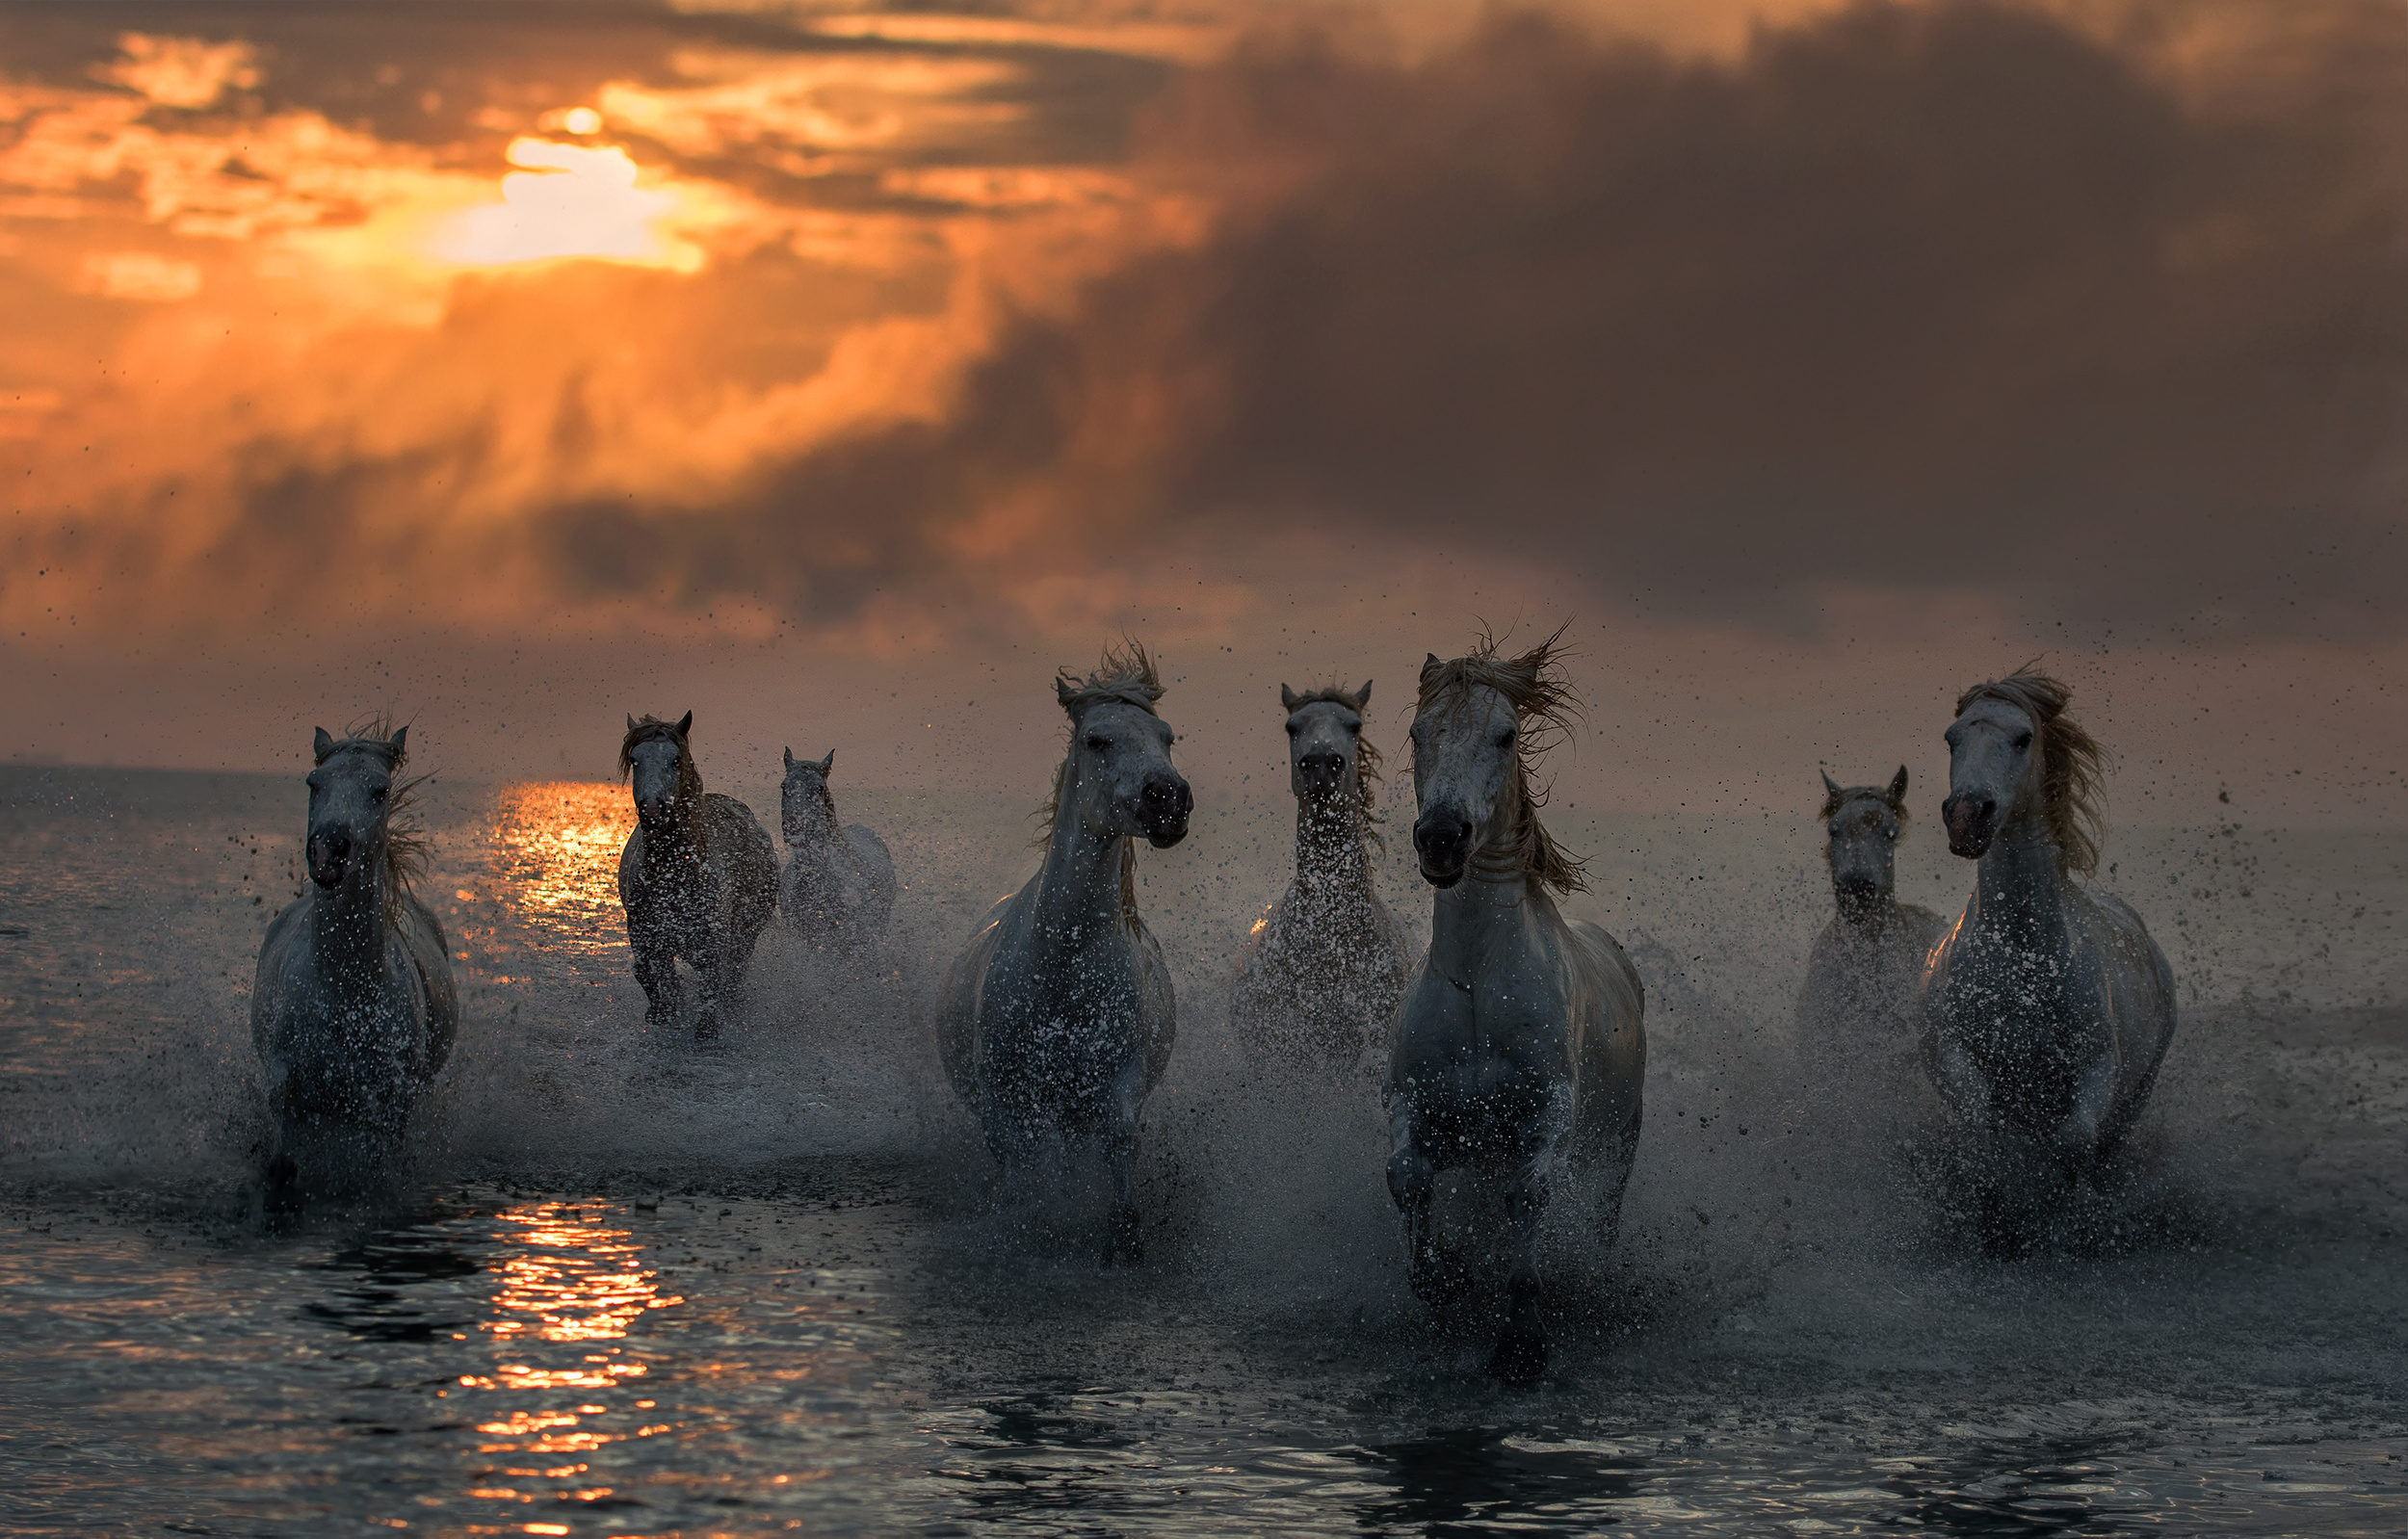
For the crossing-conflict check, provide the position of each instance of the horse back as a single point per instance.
(1609, 1006)
(745, 858)
(427, 954)
(965, 997)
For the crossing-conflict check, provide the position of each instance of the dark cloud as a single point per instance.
(1950, 296)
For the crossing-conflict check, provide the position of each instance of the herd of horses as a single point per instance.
(1516, 1044)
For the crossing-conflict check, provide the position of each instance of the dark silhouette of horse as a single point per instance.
(698, 876)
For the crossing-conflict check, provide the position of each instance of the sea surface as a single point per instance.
(627, 1283)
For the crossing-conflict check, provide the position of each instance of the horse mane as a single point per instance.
(1533, 682)
(647, 727)
(1125, 674)
(1366, 759)
(2072, 764)
(405, 841)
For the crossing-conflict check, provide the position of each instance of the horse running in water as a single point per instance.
(1324, 967)
(353, 1010)
(2046, 1008)
(1856, 1016)
(1056, 1019)
(1519, 1051)
(698, 878)
(839, 885)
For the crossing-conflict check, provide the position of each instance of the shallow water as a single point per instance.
(634, 1286)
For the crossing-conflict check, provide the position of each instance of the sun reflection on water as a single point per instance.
(565, 1280)
(559, 846)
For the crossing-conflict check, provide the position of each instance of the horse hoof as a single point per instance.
(1520, 1358)
(281, 1191)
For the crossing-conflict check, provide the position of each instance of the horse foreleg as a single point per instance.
(2079, 1138)
(1962, 1083)
(1122, 1246)
(712, 968)
(1521, 1353)
(1413, 1181)
(656, 973)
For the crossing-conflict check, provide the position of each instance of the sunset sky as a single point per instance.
(837, 373)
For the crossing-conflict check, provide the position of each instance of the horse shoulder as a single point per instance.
(418, 934)
(631, 870)
(869, 850)
(2139, 979)
(280, 951)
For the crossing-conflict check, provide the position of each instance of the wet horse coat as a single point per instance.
(838, 889)
(698, 878)
(1058, 1019)
(2047, 1008)
(353, 1007)
(1519, 1048)
(1857, 1013)
(1323, 969)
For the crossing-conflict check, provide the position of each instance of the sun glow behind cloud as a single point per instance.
(572, 200)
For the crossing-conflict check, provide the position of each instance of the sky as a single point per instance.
(839, 373)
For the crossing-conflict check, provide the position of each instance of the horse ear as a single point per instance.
(1431, 665)
(1287, 698)
(1897, 788)
(631, 721)
(827, 764)
(685, 723)
(322, 745)
(1062, 690)
(790, 758)
(1363, 695)
(398, 742)
(1830, 787)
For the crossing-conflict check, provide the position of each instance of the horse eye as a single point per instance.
(1354, 729)
(1291, 729)
(1099, 744)
(377, 795)
(2023, 739)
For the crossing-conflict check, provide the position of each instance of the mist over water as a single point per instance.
(732, 1284)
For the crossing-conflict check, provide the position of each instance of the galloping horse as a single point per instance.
(353, 1010)
(839, 886)
(1056, 1019)
(2047, 1008)
(1519, 1048)
(1856, 1016)
(1324, 968)
(698, 878)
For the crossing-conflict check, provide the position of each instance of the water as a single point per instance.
(633, 1285)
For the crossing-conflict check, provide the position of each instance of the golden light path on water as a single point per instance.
(558, 868)
(563, 1280)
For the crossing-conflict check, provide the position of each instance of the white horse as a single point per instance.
(1520, 1049)
(1324, 968)
(353, 1010)
(2047, 1008)
(1856, 1016)
(1056, 1019)
(839, 884)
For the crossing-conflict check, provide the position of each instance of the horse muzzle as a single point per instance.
(1321, 774)
(1856, 894)
(1442, 840)
(329, 852)
(1973, 820)
(1163, 810)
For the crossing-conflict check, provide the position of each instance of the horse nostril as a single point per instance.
(1321, 766)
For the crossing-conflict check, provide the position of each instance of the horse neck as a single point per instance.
(1329, 855)
(820, 845)
(684, 836)
(2019, 886)
(347, 923)
(1482, 912)
(1079, 890)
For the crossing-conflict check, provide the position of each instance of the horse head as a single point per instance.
(2015, 756)
(1466, 763)
(351, 798)
(1119, 766)
(1326, 748)
(659, 762)
(805, 807)
(1990, 763)
(1863, 823)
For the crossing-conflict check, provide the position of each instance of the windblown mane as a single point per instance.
(1533, 684)
(404, 855)
(1366, 756)
(2072, 764)
(1124, 675)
